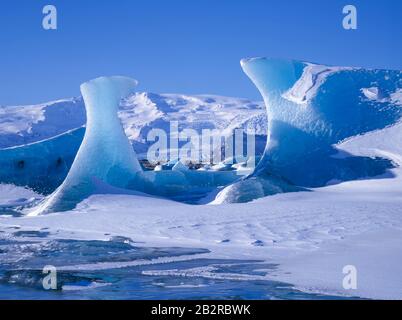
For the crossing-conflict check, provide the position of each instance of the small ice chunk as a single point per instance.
(370, 93)
(396, 97)
(179, 166)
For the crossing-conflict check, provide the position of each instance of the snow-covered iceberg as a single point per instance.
(310, 109)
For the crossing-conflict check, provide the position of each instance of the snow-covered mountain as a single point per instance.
(44, 139)
(21, 125)
(139, 113)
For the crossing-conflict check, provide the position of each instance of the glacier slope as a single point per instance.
(20, 125)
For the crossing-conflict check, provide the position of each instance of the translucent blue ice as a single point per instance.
(105, 153)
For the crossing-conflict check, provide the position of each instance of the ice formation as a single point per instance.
(179, 166)
(106, 158)
(38, 143)
(105, 153)
(310, 109)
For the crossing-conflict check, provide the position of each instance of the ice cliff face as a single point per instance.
(41, 165)
(310, 109)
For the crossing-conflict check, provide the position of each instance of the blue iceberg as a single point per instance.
(105, 153)
(310, 108)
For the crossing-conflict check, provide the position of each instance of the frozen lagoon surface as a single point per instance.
(284, 246)
(116, 269)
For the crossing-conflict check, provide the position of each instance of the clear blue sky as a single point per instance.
(183, 46)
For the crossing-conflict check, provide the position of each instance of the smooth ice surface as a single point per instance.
(105, 153)
(311, 108)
